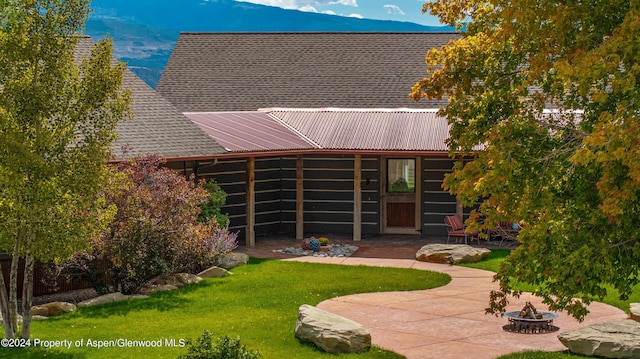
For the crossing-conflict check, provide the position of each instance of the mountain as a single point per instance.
(145, 31)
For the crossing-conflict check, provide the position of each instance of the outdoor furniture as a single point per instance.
(506, 231)
(456, 228)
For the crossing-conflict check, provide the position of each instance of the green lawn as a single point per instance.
(259, 303)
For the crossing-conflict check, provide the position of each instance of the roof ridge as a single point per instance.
(294, 130)
(314, 32)
(347, 109)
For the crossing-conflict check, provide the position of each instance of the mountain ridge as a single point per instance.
(145, 31)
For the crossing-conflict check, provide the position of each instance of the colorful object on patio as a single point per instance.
(305, 244)
(314, 244)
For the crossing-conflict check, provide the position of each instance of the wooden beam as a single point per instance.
(251, 203)
(299, 197)
(357, 198)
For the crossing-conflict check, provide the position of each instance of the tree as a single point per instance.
(571, 174)
(57, 122)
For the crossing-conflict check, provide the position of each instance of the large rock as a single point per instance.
(52, 309)
(330, 332)
(634, 311)
(232, 259)
(168, 282)
(109, 298)
(214, 272)
(619, 339)
(19, 318)
(451, 253)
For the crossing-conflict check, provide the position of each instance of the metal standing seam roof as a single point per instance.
(157, 127)
(249, 131)
(279, 130)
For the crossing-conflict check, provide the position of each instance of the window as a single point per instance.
(401, 175)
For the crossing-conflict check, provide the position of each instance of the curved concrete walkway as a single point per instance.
(450, 321)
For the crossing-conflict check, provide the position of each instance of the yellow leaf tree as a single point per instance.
(57, 123)
(550, 93)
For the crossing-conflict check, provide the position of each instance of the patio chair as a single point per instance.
(456, 228)
(507, 231)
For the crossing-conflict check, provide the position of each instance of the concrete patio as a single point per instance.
(445, 322)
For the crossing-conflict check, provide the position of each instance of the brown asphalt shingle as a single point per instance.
(248, 71)
(157, 126)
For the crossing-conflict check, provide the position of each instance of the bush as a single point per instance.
(156, 230)
(211, 208)
(225, 348)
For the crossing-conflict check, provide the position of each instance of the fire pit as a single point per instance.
(530, 321)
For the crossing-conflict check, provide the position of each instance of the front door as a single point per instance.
(401, 204)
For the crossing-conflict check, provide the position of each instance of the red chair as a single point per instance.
(456, 228)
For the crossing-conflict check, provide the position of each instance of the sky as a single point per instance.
(397, 10)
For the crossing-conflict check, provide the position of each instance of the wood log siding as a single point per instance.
(436, 202)
(370, 195)
(328, 193)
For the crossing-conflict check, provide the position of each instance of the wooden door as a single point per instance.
(401, 204)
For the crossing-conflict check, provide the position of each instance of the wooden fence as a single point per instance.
(63, 284)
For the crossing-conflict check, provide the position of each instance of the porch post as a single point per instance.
(251, 203)
(357, 198)
(299, 197)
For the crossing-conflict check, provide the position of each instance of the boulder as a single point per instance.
(154, 288)
(634, 311)
(109, 298)
(168, 282)
(619, 339)
(451, 253)
(330, 332)
(52, 309)
(214, 272)
(19, 318)
(177, 279)
(232, 259)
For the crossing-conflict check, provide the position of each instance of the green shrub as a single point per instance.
(225, 348)
(211, 208)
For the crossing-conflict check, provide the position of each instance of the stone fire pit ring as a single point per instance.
(518, 324)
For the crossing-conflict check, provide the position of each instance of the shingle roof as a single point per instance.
(157, 126)
(247, 71)
(357, 130)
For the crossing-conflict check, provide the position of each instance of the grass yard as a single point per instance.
(259, 303)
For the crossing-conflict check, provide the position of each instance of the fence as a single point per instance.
(63, 283)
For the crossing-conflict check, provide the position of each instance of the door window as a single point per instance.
(401, 175)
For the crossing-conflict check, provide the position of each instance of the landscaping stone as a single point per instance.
(168, 282)
(214, 272)
(154, 288)
(619, 339)
(19, 318)
(335, 250)
(232, 259)
(330, 332)
(109, 298)
(634, 311)
(451, 253)
(52, 309)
